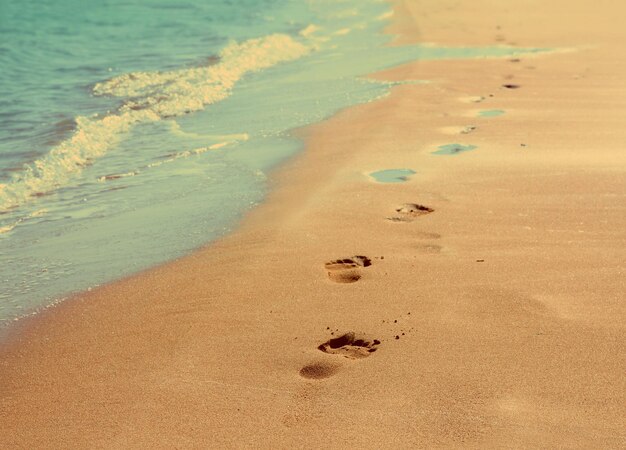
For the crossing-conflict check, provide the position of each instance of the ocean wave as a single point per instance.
(148, 97)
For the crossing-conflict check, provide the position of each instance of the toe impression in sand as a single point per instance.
(409, 211)
(350, 346)
(347, 270)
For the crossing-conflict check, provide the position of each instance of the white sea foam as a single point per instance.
(386, 16)
(309, 30)
(343, 31)
(10, 227)
(178, 131)
(7, 228)
(115, 176)
(149, 97)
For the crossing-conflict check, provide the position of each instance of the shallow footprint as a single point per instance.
(428, 248)
(474, 99)
(318, 371)
(410, 211)
(350, 346)
(347, 270)
(458, 129)
(467, 129)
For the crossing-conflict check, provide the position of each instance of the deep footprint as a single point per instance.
(350, 346)
(347, 270)
(409, 211)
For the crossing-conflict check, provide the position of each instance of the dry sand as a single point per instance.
(500, 315)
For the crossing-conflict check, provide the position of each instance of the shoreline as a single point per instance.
(505, 299)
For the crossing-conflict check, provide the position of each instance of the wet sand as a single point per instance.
(478, 302)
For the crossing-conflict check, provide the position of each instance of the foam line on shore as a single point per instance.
(149, 97)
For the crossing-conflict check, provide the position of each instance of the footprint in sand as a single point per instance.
(318, 371)
(410, 211)
(428, 248)
(306, 405)
(474, 99)
(458, 130)
(350, 346)
(347, 270)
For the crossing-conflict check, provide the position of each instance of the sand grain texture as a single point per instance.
(500, 315)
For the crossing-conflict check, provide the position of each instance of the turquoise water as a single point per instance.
(453, 149)
(135, 131)
(392, 175)
(491, 113)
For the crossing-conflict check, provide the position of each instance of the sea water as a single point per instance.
(392, 175)
(134, 131)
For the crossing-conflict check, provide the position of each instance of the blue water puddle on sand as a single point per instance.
(491, 113)
(392, 175)
(453, 149)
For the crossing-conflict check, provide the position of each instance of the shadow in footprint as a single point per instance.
(318, 371)
(410, 211)
(347, 270)
(350, 346)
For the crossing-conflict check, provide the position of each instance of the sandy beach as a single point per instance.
(477, 303)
